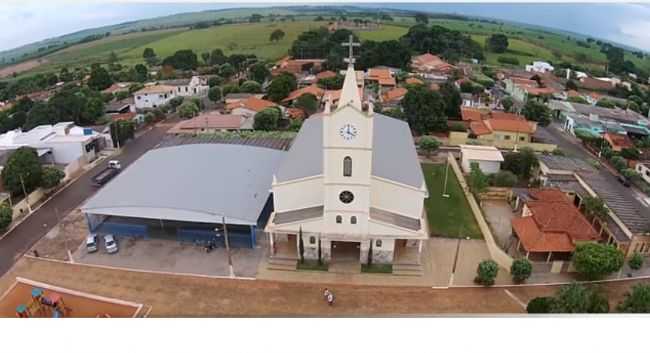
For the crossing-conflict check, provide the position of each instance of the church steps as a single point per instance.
(281, 264)
(408, 270)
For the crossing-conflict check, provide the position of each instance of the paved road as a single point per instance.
(23, 237)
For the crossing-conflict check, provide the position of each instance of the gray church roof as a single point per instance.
(394, 156)
(192, 183)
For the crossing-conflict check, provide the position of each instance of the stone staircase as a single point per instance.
(281, 263)
(405, 269)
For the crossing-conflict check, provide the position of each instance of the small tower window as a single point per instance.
(353, 220)
(347, 166)
(339, 219)
(312, 240)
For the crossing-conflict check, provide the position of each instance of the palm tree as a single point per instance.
(595, 208)
(301, 246)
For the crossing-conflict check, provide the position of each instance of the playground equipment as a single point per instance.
(39, 305)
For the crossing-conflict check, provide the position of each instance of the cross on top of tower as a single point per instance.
(350, 44)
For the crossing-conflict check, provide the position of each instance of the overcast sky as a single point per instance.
(26, 21)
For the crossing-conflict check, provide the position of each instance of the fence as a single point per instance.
(497, 254)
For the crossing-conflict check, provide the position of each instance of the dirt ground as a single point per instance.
(69, 234)
(18, 68)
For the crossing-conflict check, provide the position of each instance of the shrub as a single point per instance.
(619, 163)
(6, 215)
(520, 270)
(540, 305)
(188, 110)
(487, 272)
(456, 126)
(636, 261)
(214, 93)
(504, 178)
(51, 177)
(251, 87)
(576, 298)
(428, 144)
(637, 300)
(176, 102)
(596, 260)
(508, 60)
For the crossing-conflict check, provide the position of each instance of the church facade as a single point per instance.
(351, 185)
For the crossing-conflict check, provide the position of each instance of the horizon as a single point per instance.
(622, 23)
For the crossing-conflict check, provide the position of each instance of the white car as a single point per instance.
(110, 244)
(91, 243)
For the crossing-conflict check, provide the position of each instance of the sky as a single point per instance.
(27, 21)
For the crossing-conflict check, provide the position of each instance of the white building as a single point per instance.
(644, 171)
(352, 186)
(63, 143)
(488, 158)
(540, 66)
(153, 96)
(197, 86)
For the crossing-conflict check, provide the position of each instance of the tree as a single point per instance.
(308, 103)
(250, 87)
(452, 99)
(226, 71)
(255, 18)
(425, 110)
(40, 114)
(632, 153)
(595, 208)
(121, 131)
(206, 57)
(65, 75)
(478, 181)
(389, 53)
(281, 86)
(301, 246)
(606, 103)
(141, 73)
(597, 260)
(215, 81)
(503, 178)
(188, 110)
(113, 58)
(6, 216)
(150, 56)
(540, 305)
(487, 272)
(428, 144)
(520, 270)
(228, 89)
(421, 18)
(536, 111)
(51, 177)
(450, 44)
(507, 103)
(636, 261)
(636, 301)
(259, 72)
(184, 59)
(497, 43)
(267, 119)
(521, 163)
(214, 93)
(572, 85)
(575, 298)
(217, 57)
(276, 35)
(22, 168)
(100, 79)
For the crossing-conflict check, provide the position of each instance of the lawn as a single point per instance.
(449, 217)
(385, 32)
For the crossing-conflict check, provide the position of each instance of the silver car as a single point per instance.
(91, 243)
(110, 244)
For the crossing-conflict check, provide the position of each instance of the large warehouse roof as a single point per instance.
(192, 183)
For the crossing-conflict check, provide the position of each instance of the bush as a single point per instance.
(540, 305)
(508, 60)
(267, 119)
(619, 162)
(251, 87)
(637, 300)
(214, 93)
(520, 270)
(188, 110)
(6, 216)
(51, 177)
(456, 126)
(487, 272)
(636, 261)
(576, 298)
(428, 144)
(176, 102)
(504, 178)
(596, 260)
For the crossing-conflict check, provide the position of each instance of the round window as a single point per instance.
(346, 197)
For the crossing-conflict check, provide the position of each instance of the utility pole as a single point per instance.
(22, 182)
(227, 241)
(444, 191)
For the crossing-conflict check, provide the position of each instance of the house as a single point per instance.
(521, 89)
(393, 97)
(488, 158)
(196, 86)
(250, 106)
(618, 142)
(120, 106)
(118, 87)
(382, 77)
(237, 97)
(414, 81)
(540, 66)
(350, 188)
(325, 75)
(153, 96)
(297, 66)
(431, 64)
(643, 168)
(211, 122)
(313, 90)
(501, 126)
(595, 84)
(550, 225)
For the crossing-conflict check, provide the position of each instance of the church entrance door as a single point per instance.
(346, 251)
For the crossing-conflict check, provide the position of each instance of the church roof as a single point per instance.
(350, 92)
(394, 156)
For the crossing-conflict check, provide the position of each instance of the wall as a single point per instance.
(298, 195)
(498, 255)
(487, 167)
(33, 198)
(396, 198)
(461, 138)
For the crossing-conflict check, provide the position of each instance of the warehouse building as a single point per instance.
(187, 192)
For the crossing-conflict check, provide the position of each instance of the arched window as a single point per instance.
(353, 220)
(347, 166)
(339, 219)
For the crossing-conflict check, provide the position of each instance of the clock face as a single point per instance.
(346, 197)
(348, 132)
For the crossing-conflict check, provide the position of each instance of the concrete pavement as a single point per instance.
(22, 237)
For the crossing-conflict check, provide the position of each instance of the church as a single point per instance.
(351, 186)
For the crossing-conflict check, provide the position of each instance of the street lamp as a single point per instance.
(444, 191)
(227, 242)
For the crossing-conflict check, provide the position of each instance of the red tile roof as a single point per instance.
(510, 125)
(479, 128)
(296, 113)
(382, 76)
(251, 103)
(312, 89)
(325, 74)
(618, 141)
(596, 84)
(430, 62)
(394, 94)
(413, 81)
(123, 117)
(208, 120)
(472, 114)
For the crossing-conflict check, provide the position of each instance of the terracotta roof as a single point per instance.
(252, 103)
(434, 87)
(497, 114)
(539, 91)
(208, 120)
(479, 128)
(413, 81)
(510, 124)
(595, 84)
(431, 62)
(156, 89)
(394, 94)
(123, 117)
(618, 140)
(295, 113)
(573, 93)
(312, 89)
(523, 81)
(471, 114)
(325, 74)
(555, 223)
(382, 76)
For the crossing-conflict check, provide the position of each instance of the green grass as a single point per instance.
(449, 217)
(312, 266)
(385, 32)
(377, 268)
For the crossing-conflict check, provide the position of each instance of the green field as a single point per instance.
(449, 217)
(385, 32)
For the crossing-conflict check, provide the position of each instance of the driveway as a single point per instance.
(499, 215)
(23, 237)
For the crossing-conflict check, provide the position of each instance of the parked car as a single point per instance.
(623, 180)
(110, 244)
(91, 243)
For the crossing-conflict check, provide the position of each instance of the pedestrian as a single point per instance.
(326, 293)
(330, 298)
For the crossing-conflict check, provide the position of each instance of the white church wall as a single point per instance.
(302, 194)
(361, 160)
(397, 199)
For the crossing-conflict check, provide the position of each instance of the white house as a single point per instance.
(644, 171)
(540, 66)
(63, 143)
(153, 96)
(351, 187)
(488, 158)
(196, 86)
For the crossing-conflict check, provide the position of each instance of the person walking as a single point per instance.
(329, 296)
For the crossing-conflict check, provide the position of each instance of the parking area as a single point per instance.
(498, 214)
(173, 256)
